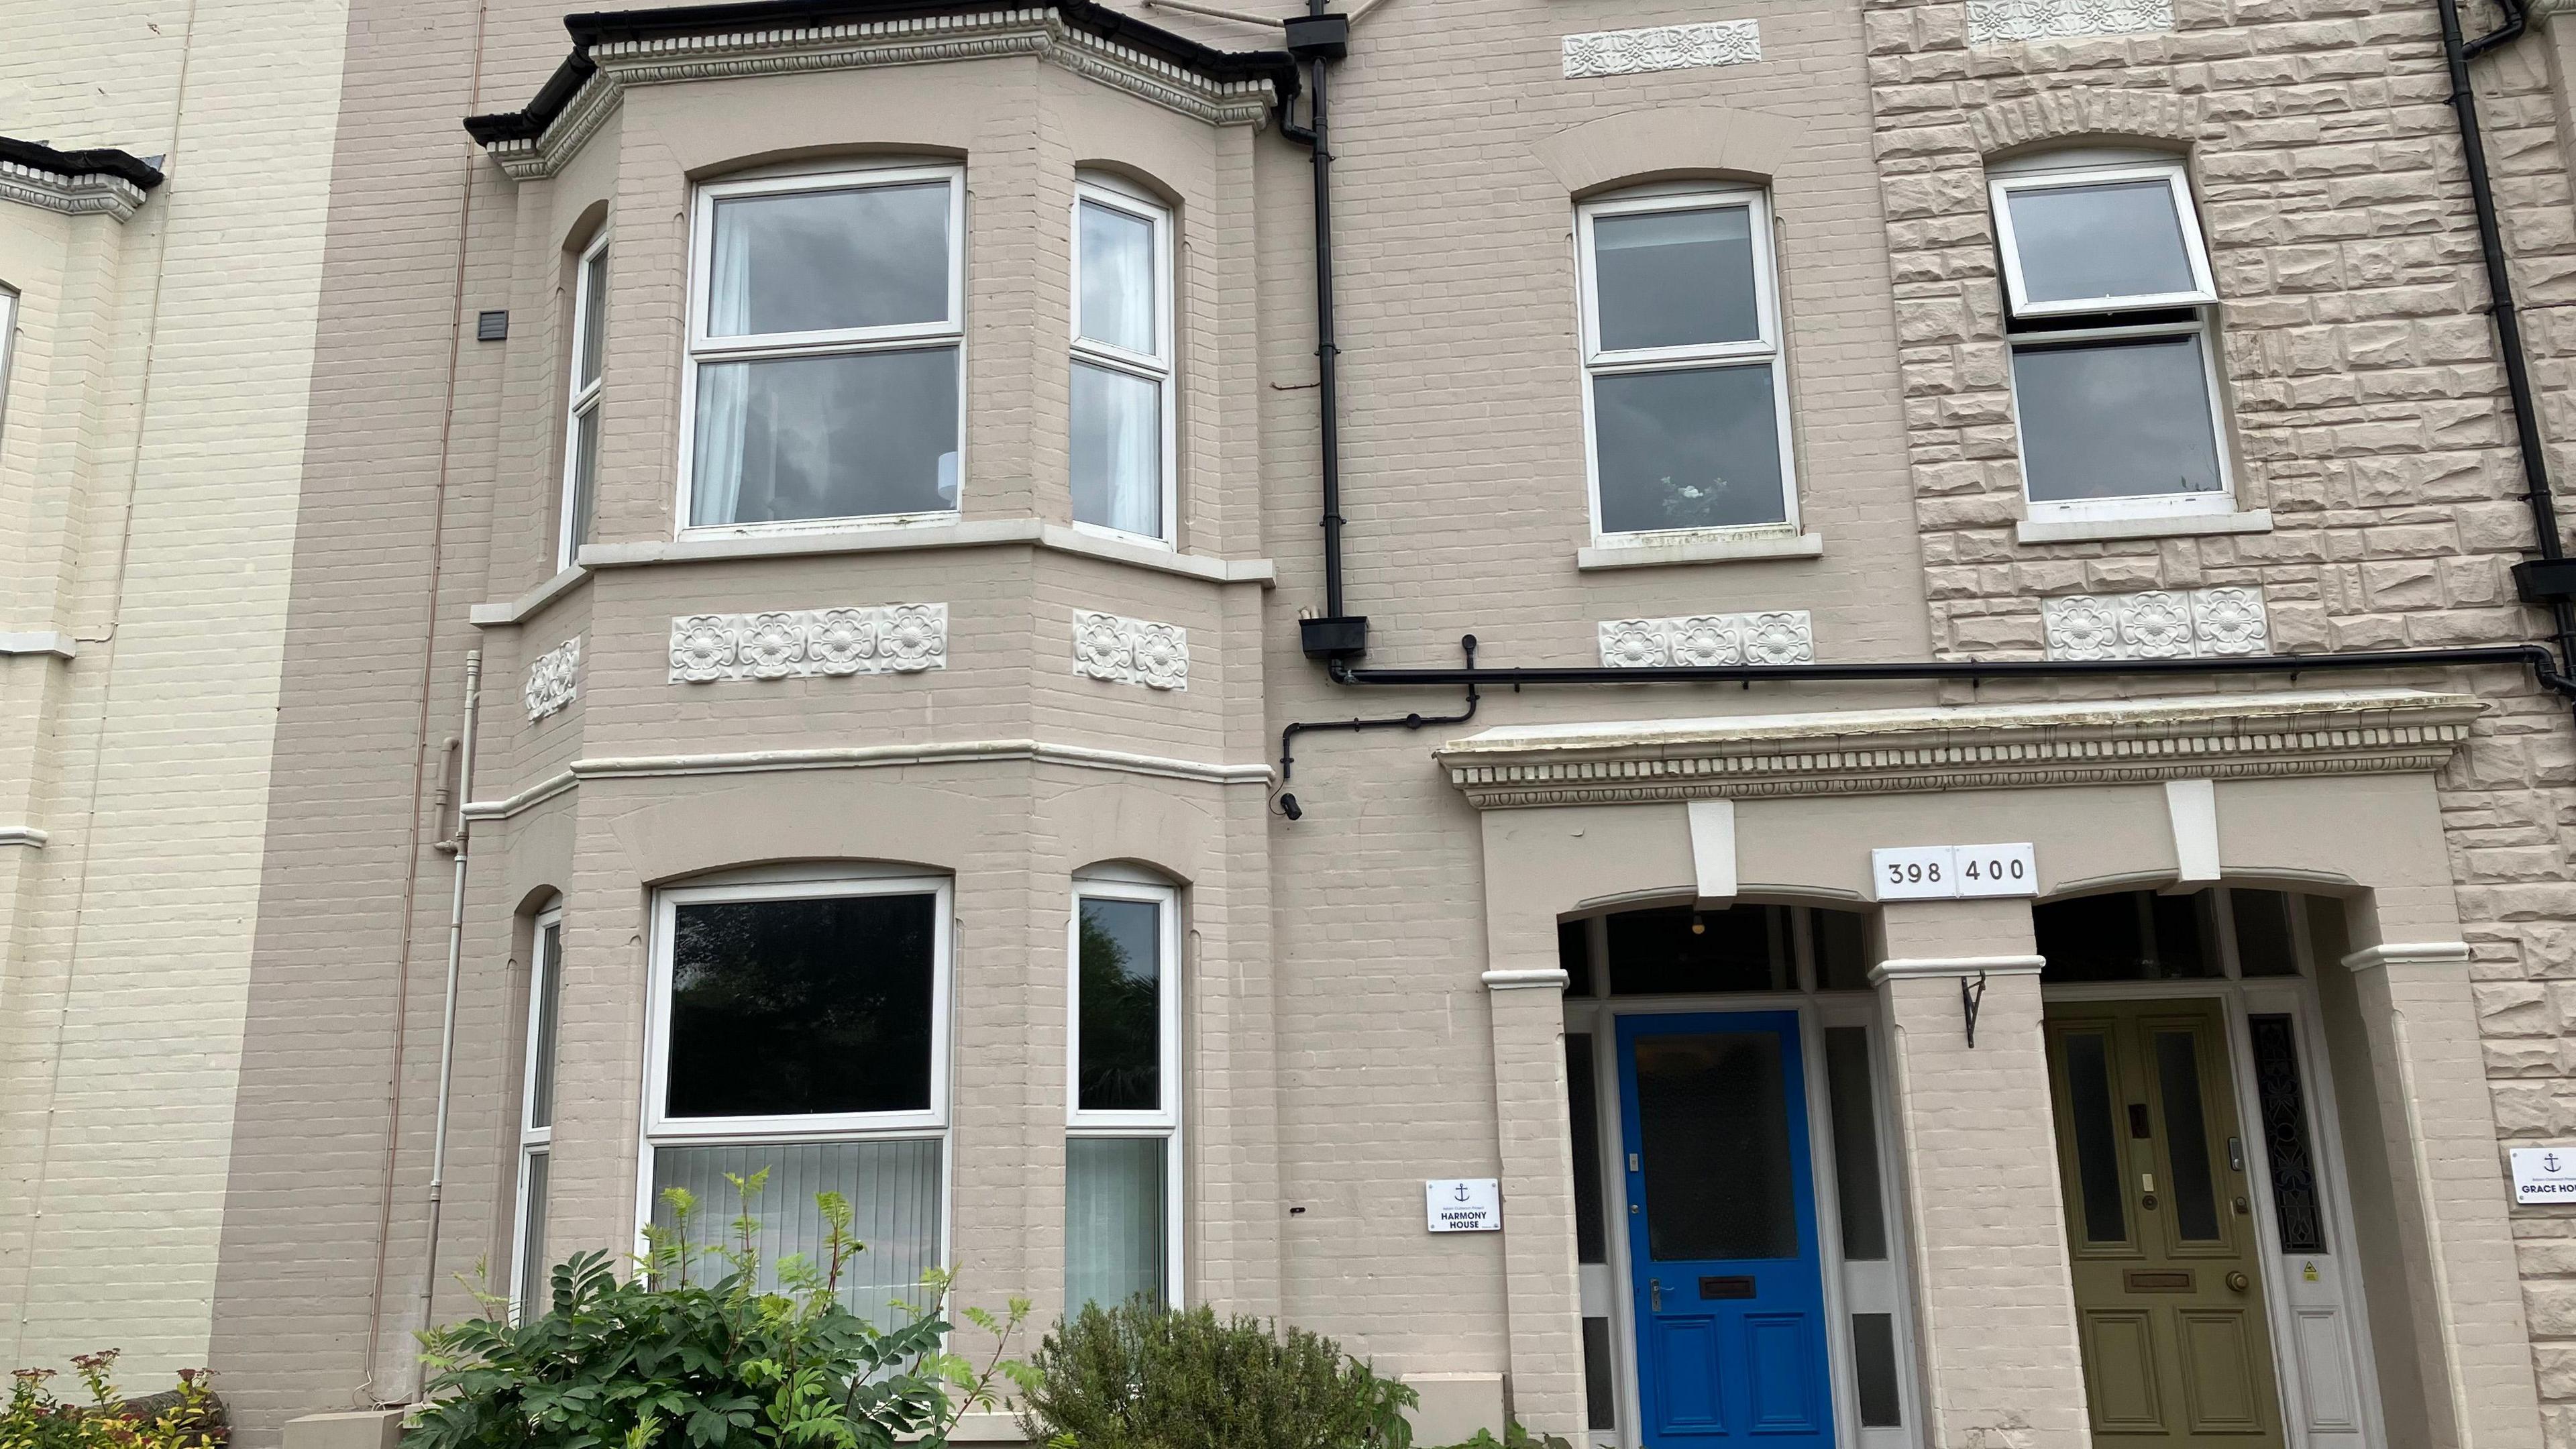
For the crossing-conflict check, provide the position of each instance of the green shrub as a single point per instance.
(187, 1417)
(1143, 1377)
(659, 1361)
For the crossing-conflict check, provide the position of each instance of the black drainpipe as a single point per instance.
(1337, 639)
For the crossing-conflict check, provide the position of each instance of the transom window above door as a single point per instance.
(2111, 312)
(1684, 397)
(825, 350)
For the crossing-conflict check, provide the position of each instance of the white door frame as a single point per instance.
(2238, 997)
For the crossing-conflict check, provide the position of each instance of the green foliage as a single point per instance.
(1143, 1377)
(659, 1362)
(187, 1417)
(1515, 1436)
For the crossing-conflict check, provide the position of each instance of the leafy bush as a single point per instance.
(187, 1417)
(658, 1360)
(1142, 1377)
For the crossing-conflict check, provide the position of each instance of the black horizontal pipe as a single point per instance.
(2535, 657)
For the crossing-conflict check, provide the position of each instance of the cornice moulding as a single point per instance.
(1906, 968)
(863, 45)
(1972, 747)
(92, 195)
(859, 757)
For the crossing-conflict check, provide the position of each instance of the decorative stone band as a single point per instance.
(860, 45)
(2426, 953)
(2157, 624)
(1547, 978)
(2000, 22)
(1662, 47)
(554, 680)
(1130, 651)
(1962, 747)
(96, 194)
(26, 835)
(799, 643)
(1782, 636)
(865, 757)
(1908, 967)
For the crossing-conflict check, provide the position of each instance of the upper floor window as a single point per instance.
(581, 426)
(1122, 363)
(825, 349)
(1684, 392)
(2115, 385)
(801, 1025)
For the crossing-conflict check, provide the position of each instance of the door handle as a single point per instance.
(2238, 1282)
(1655, 1294)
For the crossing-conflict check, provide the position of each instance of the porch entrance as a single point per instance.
(2159, 1211)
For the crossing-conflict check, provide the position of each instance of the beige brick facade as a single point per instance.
(259, 477)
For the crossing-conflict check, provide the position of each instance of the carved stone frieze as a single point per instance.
(1662, 47)
(1998, 22)
(1778, 636)
(2158, 624)
(1130, 651)
(800, 643)
(554, 679)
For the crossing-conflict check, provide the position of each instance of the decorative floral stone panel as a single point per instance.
(554, 679)
(1998, 22)
(1780, 636)
(1130, 651)
(2157, 624)
(801, 643)
(1662, 47)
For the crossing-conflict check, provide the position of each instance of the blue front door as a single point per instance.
(1722, 1231)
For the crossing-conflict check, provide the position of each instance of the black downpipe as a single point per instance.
(2508, 320)
(1337, 640)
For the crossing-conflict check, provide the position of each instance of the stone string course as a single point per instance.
(2368, 417)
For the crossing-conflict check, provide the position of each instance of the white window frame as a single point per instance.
(581, 399)
(1164, 1122)
(2094, 168)
(2000, 189)
(703, 349)
(1765, 347)
(535, 1141)
(8, 346)
(1160, 367)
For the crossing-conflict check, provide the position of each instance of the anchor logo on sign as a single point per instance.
(2549, 1162)
(1460, 1191)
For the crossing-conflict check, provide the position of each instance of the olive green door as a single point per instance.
(2168, 1285)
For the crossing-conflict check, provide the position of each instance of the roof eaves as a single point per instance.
(595, 28)
(99, 161)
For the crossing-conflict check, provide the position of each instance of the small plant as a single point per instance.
(1515, 1436)
(186, 1417)
(1140, 1376)
(657, 1361)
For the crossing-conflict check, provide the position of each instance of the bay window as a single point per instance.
(826, 349)
(528, 1290)
(801, 1025)
(1122, 364)
(1684, 393)
(2109, 317)
(581, 425)
(1122, 1179)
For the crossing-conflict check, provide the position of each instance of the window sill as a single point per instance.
(516, 611)
(984, 534)
(1718, 548)
(2161, 525)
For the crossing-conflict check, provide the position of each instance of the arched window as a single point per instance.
(1122, 362)
(528, 1291)
(1121, 1152)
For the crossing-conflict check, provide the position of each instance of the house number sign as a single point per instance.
(1953, 872)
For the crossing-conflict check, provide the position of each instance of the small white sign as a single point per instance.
(2544, 1174)
(1951, 872)
(1463, 1204)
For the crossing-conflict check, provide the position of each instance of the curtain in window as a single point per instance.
(1113, 1219)
(724, 405)
(894, 1190)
